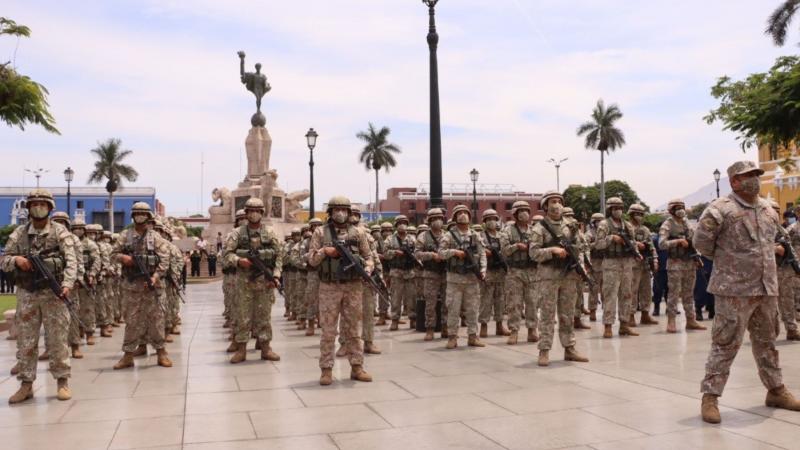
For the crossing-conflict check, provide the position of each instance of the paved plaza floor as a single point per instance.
(636, 393)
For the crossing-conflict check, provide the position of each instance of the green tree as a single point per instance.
(697, 210)
(585, 200)
(5, 232)
(378, 153)
(109, 166)
(779, 20)
(22, 100)
(653, 222)
(602, 135)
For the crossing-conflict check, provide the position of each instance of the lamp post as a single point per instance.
(716, 180)
(583, 205)
(69, 174)
(38, 174)
(311, 140)
(558, 167)
(473, 175)
(435, 127)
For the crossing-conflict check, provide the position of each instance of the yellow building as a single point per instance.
(781, 179)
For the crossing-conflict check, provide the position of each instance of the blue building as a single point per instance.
(89, 203)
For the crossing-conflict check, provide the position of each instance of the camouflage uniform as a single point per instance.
(402, 277)
(103, 309)
(493, 290)
(433, 277)
(93, 263)
(596, 256)
(520, 283)
(290, 276)
(789, 283)
(298, 261)
(75, 333)
(312, 284)
(681, 269)
(384, 304)
(642, 287)
(173, 318)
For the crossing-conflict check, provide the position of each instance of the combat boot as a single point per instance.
(342, 352)
(792, 335)
(64, 392)
(168, 337)
(632, 321)
(709, 409)
(671, 327)
(125, 362)
(232, 347)
(647, 320)
(473, 341)
(544, 358)
(780, 397)
(381, 319)
(452, 342)
(44, 356)
(76, 351)
(302, 324)
(358, 373)
(657, 309)
(501, 330)
(532, 335)
(570, 354)
(176, 329)
(692, 324)
(395, 325)
(141, 350)
(484, 333)
(267, 353)
(15, 369)
(578, 325)
(326, 378)
(429, 334)
(24, 392)
(412, 323)
(240, 354)
(624, 330)
(257, 345)
(163, 360)
(371, 349)
(607, 332)
(105, 331)
(512, 337)
(401, 321)
(593, 315)
(444, 331)
(310, 329)
(89, 338)
(584, 311)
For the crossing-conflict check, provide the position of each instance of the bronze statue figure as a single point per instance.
(256, 82)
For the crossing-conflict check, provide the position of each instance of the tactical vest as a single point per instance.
(143, 247)
(615, 250)
(288, 265)
(550, 241)
(493, 243)
(677, 252)
(88, 261)
(519, 259)
(457, 265)
(431, 244)
(401, 262)
(331, 270)
(49, 249)
(256, 244)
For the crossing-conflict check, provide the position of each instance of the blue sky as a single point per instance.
(516, 78)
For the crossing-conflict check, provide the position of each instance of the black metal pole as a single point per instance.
(69, 198)
(311, 185)
(717, 188)
(474, 204)
(435, 132)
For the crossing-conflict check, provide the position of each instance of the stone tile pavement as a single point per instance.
(637, 393)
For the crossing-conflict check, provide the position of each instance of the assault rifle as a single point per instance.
(142, 266)
(176, 287)
(469, 260)
(352, 263)
(260, 267)
(43, 271)
(497, 256)
(651, 260)
(408, 255)
(628, 242)
(789, 255)
(695, 256)
(574, 260)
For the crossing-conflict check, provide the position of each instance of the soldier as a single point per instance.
(255, 289)
(493, 290)
(596, 256)
(89, 296)
(642, 287)
(104, 320)
(298, 259)
(463, 252)
(433, 269)
(377, 244)
(36, 305)
(112, 304)
(557, 284)
(145, 260)
(290, 275)
(383, 304)
(787, 278)
(568, 216)
(116, 288)
(74, 337)
(675, 236)
(173, 287)
(399, 255)
(312, 282)
(738, 233)
(618, 261)
(340, 292)
(229, 283)
(521, 275)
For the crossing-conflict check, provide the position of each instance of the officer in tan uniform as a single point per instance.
(399, 255)
(493, 290)
(312, 283)
(515, 242)
(642, 285)
(433, 271)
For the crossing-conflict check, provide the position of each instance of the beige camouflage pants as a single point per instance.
(312, 294)
(596, 293)
(681, 290)
(300, 307)
(734, 315)
(462, 292)
(787, 285)
(146, 316)
(617, 296)
(340, 308)
(253, 309)
(493, 299)
(35, 309)
(75, 332)
(228, 288)
(578, 300)
(557, 295)
(402, 294)
(87, 310)
(433, 292)
(642, 289)
(522, 293)
(100, 305)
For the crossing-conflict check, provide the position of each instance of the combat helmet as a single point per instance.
(339, 201)
(459, 209)
(78, 224)
(295, 232)
(675, 203)
(614, 202)
(106, 234)
(549, 195)
(142, 207)
(61, 217)
(434, 213)
(520, 205)
(597, 216)
(636, 209)
(315, 222)
(355, 210)
(387, 226)
(537, 218)
(477, 227)
(240, 214)
(568, 212)
(411, 230)
(489, 214)
(401, 218)
(374, 228)
(254, 203)
(41, 195)
(422, 228)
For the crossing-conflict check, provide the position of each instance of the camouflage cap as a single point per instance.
(743, 167)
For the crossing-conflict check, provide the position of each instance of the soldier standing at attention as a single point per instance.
(522, 271)
(312, 283)
(36, 303)
(399, 254)
(74, 337)
(493, 291)
(596, 256)
(463, 251)
(433, 269)
(91, 266)
(255, 288)
(229, 280)
(568, 217)
(340, 297)
(787, 279)
(642, 289)
(738, 233)
(675, 236)
(298, 258)
(383, 304)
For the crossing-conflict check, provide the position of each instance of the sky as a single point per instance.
(516, 77)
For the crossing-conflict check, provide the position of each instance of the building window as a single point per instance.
(107, 205)
(412, 206)
(494, 206)
(508, 206)
(79, 204)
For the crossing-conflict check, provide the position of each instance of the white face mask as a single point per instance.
(340, 217)
(555, 211)
(139, 219)
(491, 225)
(39, 211)
(254, 216)
(437, 224)
(402, 228)
(681, 213)
(462, 218)
(617, 214)
(523, 216)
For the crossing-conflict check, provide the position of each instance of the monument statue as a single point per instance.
(223, 212)
(293, 206)
(256, 82)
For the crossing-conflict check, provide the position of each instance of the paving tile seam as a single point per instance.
(369, 406)
(113, 436)
(495, 404)
(722, 427)
(483, 435)
(646, 434)
(186, 385)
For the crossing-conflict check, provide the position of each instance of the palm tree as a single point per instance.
(779, 20)
(377, 154)
(109, 166)
(602, 135)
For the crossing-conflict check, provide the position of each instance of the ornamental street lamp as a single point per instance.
(311, 140)
(435, 127)
(69, 174)
(558, 167)
(716, 180)
(473, 175)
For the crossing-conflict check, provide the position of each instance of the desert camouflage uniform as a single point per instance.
(596, 257)
(520, 284)
(739, 238)
(171, 292)
(494, 288)
(75, 332)
(88, 297)
(402, 287)
(617, 271)
(380, 249)
(36, 304)
(289, 277)
(463, 287)
(642, 285)
(105, 314)
(433, 275)
(583, 246)
(681, 269)
(298, 260)
(312, 287)
(788, 281)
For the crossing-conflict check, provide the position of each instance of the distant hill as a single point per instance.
(706, 193)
